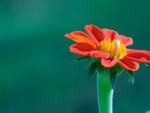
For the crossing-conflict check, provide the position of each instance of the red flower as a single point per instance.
(107, 46)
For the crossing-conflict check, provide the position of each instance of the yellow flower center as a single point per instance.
(115, 48)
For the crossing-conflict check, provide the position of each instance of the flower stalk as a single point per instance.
(104, 93)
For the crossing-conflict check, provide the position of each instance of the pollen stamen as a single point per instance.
(115, 48)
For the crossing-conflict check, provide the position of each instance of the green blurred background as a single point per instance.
(37, 73)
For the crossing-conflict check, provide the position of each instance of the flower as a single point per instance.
(108, 46)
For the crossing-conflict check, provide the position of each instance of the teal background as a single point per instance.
(37, 73)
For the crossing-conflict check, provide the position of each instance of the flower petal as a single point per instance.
(80, 37)
(128, 64)
(108, 62)
(126, 41)
(85, 49)
(130, 51)
(110, 34)
(95, 33)
(99, 54)
(68, 35)
(138, 55)
(81, 49)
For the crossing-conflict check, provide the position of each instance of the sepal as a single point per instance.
(93, 69)
(119, 69)
(131, 76)
(113, 77)
(144, 64)
(81, 58)
(88, 62)
(114, 73)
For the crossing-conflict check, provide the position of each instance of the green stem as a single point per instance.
(105, 93)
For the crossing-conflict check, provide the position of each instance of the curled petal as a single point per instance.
(85, 49)
(99, 54)
(108, 62)
(110, 34)
(130, 51)
(95, 33)
(81, 49)
(68, 35)
(128, 64)
(126, 41)
(140, 59)
(81, 34)
(80, 37)
(138, 55)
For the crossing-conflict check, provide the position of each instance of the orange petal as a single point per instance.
(108, 62)
(95, 33)
(77, 33)
(80, 37)
(128, 64)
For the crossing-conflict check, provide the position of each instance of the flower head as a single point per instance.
(107, 46)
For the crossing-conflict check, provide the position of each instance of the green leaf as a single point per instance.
(80, 58)
(93, 69)
(119, 69)
(131, 76)
(102, 70)
(113, 77)
(106, 69)
(114, 73)
(144, 64)
(88, 62)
